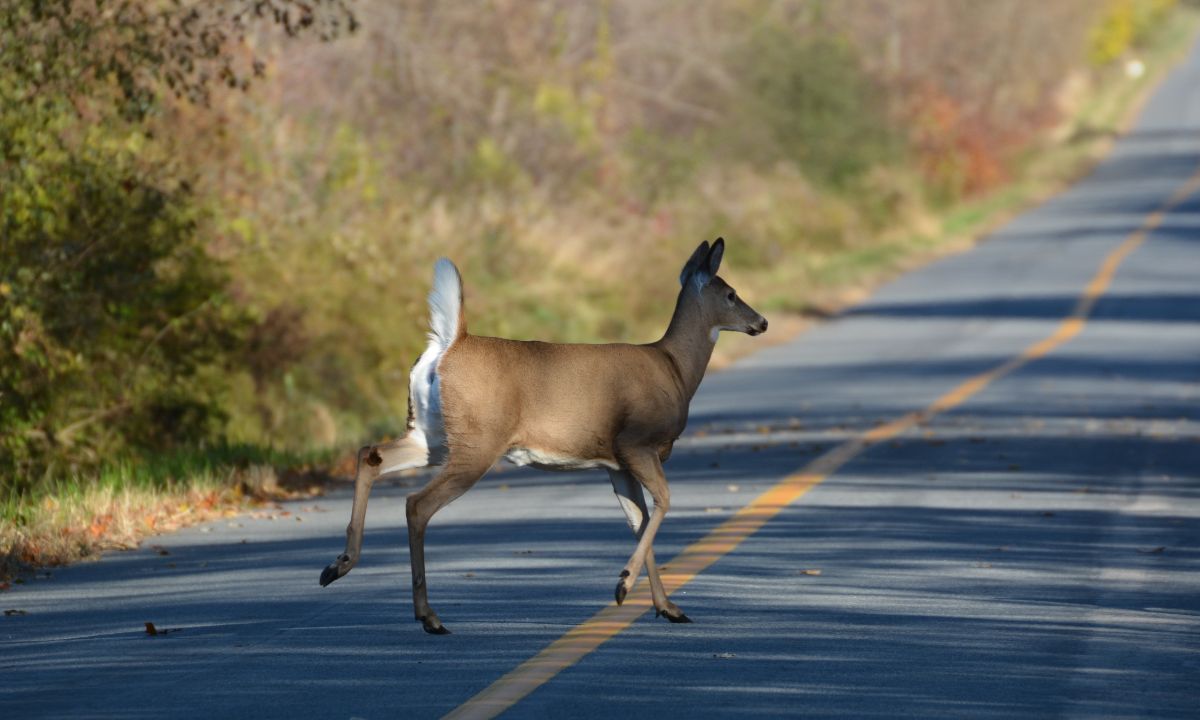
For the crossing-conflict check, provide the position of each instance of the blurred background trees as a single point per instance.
(116, 322)
(215, 224)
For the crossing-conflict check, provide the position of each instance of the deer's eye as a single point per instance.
(731, 296)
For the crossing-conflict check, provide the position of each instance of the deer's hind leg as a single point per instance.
(462, 470)
(633, 502)
(374, 461)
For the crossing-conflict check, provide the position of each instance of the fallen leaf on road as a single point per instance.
(14, 611)
(160, 549)
(153, 631)
(810, 571)
(1152, 551)
(732, 488)
(724, 656)
(468, 575)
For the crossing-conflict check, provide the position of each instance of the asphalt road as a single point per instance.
(1032, 552)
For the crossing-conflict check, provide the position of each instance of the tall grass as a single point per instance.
(78, 515)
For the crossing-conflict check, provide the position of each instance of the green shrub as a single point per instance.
(113, 316)
(111, 306)
(816, 105)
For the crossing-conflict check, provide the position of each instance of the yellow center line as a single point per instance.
(581, 640)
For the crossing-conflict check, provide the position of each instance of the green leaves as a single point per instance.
(112, 313)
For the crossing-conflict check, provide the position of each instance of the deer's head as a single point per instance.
(720, 305)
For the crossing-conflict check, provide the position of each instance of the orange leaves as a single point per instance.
(66, 529)
(153, 631)
(958, 152)
(99, 527)
(208, 501)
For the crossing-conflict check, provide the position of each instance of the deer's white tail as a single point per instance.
(446, 324)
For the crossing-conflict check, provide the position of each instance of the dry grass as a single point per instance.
(59, 530)
(125, 503)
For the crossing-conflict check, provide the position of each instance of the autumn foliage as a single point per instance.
(217, 219)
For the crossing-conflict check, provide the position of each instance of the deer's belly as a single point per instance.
(547, 460)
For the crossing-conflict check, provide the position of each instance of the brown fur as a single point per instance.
(618, 405)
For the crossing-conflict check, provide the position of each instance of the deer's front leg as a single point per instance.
(645, 467)
(633, 502)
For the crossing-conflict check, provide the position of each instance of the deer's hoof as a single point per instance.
(433, 626)
(336, 569)
(672, 614)
(330, 574)
(621, 590)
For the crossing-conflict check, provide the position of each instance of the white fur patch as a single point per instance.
(424, 384)
(716, 332)
(445, 303)
(549, 461)
(416, 455)
(424, 388)
(633, 513)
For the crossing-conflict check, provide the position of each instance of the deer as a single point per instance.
(552, 406)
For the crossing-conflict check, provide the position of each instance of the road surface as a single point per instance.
(1027, 547)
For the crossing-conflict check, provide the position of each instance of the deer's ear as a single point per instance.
(713, 262)
(694, 263)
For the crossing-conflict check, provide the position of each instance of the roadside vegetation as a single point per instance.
(217, 220)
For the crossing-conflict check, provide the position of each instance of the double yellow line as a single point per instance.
(697, 557)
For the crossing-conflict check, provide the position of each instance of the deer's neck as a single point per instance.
(689, 341)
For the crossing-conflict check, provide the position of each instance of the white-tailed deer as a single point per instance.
(473, 400)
